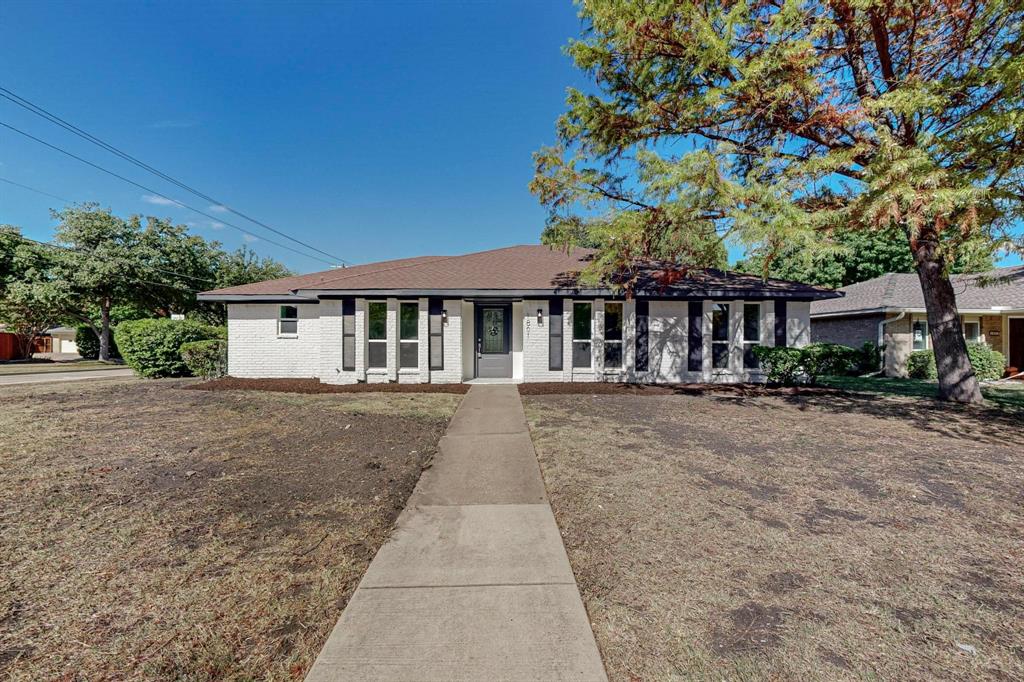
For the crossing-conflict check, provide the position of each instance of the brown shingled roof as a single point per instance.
(515, 268)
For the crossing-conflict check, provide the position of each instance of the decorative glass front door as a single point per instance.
(493, 340)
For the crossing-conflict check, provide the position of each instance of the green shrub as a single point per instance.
(869, 358)
(89, 344)
(819, 359)
(781, 364)
(988, 364)
(153, 347)
(206, 359)
(921, 365)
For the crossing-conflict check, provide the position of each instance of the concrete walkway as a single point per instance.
(79, 375)
(475, 583)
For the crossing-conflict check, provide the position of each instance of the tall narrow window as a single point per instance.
(377, 334)
(720, 336)
(613, 335)
(919, 332)
(695, 337)
(581, 346)
(348, 334)
(409, 335)
(288, 321)
(751, 334)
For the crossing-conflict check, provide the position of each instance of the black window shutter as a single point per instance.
(695, 337)
(643, 309)
(435, 309)
(348, 334)
(780, 323)
(555, 350)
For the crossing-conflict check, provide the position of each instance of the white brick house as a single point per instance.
(517, 314)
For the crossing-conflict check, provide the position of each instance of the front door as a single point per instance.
(1016, 358)
(494, 340)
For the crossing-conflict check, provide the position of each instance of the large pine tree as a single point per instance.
(778, 124)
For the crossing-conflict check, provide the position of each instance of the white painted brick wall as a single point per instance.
(255, 350)
(452, 340)
(535, 343)
(798, 323)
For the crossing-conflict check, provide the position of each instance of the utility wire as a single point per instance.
(37, 191)
(57, 120)
(93, 254)
(162, 196)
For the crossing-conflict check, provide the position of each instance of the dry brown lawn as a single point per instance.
(153, 532)
(829, 536)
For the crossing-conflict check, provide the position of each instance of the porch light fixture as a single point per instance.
(540, 317)
(444, 316)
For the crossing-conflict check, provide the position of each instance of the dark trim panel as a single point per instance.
(261, 298)
(780, 323)
(435, 333)
(725, 294)
(695, 337)
(556, 350)
(348, 334)
(643, 311)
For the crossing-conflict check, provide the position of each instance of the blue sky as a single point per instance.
(372, 130)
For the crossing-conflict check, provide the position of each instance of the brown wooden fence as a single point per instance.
(10, 349)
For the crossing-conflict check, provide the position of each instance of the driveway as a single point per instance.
(80, 375)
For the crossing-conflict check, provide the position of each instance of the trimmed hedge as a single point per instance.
(89, 344)
(206, 359)
(988, 364)
(153, 347)
(787, 366)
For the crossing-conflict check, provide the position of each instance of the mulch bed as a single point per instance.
(314, 386)
(618, 388)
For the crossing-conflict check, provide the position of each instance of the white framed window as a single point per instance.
(751, 334)
(720, 336)
(288, 321)
(972, 330)
(919, 334)
(613, 335)
(408, 335)
(581, 335)
(377, 334)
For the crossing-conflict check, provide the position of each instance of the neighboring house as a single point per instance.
(62, 340)
(517, 314)
(890, 310)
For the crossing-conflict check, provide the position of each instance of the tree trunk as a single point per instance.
(957, 381)
(105, 330)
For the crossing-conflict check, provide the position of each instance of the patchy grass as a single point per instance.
(43, 367)
(153, 532)
(1009, 394)
(803, 536)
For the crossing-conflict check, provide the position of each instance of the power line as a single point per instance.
(162, 196)
(37, 191)
(57, 120)
(93, 254)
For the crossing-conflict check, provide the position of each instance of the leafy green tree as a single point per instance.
(777, 124)
(30, 301)
(864, 255)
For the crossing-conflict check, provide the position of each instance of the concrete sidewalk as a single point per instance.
(475, 583)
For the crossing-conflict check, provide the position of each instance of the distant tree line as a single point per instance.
(101, 269)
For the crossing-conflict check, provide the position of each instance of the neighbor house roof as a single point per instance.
(1000, 289)
(512, 271)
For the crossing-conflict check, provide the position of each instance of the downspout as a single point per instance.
(881, 333)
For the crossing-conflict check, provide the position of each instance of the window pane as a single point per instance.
(749, 359)
(348, 353)
(436, 354)
(409, 354)
(378, 354)
(409, 321)
(613, 321)
(289, 312)
(581, 322)
(972, 331)
(751, 322)
(378, 312)
(493, 321)
(720, 322)
(720, 355)
(613, 355)
(289, 327)
(581, 354)
(920, 335)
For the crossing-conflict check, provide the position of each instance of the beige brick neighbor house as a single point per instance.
(890, 310)
(517, 314)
